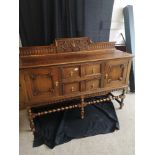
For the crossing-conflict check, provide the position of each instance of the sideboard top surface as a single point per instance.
(69, 51)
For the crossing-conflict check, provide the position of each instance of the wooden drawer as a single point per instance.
(22, 91)
(93, 84)
(69, 88)
(71, 72)
(92, 69)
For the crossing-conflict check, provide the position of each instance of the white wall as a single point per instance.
(117, 23)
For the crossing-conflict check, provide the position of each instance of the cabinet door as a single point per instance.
(42, 84)
(115, 73)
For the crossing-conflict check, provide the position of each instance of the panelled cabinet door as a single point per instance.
(42, 84)
(115, 73)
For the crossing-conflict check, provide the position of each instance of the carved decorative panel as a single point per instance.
(24, 51)
(39, 86)
(72, 45)
(43, 83)
(115, 73)
(66, 45)
(101, 45)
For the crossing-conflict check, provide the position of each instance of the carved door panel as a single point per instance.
(42, 84)
(115, 73)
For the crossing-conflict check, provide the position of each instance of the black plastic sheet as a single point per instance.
(61, 127)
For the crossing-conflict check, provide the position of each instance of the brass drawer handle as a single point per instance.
(93, 70)
(106, 76)
(72, 89)
(71, 73)
(56, 83)
(92, 86)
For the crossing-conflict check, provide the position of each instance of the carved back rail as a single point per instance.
(66, 45)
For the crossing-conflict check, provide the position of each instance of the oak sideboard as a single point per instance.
(71, 68)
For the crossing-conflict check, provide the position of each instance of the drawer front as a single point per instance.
(22, 91)
(93, 84)
(69, 88)
(92, 69)
(71, 72)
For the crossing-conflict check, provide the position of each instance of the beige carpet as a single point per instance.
(118, 143)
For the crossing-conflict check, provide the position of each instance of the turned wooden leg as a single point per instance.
(121, 103)
(31, 119)
(82, 108)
